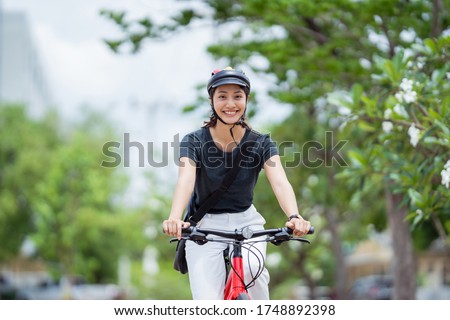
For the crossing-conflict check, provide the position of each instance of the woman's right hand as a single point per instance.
(172, 227)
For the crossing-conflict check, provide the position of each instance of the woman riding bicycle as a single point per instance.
(205, 157)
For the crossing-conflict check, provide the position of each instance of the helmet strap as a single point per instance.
(239, 122)
(217, 116)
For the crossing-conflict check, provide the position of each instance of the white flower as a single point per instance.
(366, 64)
(413, 133)
(387, 126)
(447, 165)
(387, 113)
(445, 174)
(445, 33)
(410, 96)
(406, 93)
(400, 110)
(406, 85)
(408, 35)
(399, 96)
(344, 110)
(448, 75)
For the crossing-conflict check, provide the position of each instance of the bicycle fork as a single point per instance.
(235, 285)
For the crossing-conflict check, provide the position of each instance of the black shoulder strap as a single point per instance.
(227, 181)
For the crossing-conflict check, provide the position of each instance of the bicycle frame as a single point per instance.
(235, 286)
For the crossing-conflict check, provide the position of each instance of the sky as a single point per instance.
(142, 94)
(81, 69)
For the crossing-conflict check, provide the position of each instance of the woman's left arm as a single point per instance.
(285, 195)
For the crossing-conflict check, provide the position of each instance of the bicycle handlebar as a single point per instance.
(275, 236)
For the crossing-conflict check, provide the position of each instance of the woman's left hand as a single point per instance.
(299, 225)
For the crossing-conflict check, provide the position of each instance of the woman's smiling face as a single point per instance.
(229, 102)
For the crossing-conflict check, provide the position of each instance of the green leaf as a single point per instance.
(114, 45)
(417, 219)
(436, 141)
(369, 104)
(411, 216)
(357, 91)
(390, 70)
(444, 128)
(415, 197)
(357, 158)
(365, 126)
(438, 75)
(434, 114)
(431, 44)
(146, 22)
(185, 17)
(189, 108)
(340, 98)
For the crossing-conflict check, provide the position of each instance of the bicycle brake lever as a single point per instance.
(276, 242)
(301, 240)
(198, 237)
(280, 237)
(177, 240)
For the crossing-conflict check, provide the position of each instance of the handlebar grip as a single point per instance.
(187, 230)
(311, 230)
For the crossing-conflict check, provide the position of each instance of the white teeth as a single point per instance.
(230, 112)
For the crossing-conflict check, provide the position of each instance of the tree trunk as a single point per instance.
(340, 275)
(436, 21)
(310, 283)
(404, 271)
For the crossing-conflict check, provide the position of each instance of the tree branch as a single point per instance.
(385, 29)
(399, 122)
(315, 31)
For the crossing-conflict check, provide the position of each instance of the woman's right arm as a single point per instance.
(183, 190)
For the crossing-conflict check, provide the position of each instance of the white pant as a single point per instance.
(206, 265)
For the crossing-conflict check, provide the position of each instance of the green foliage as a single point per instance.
(135, 32)
(24, 145)
(54, 191)
(408, 143)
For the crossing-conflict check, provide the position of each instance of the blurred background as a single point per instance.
(95, 95)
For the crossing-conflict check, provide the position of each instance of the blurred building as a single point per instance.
(370, 257)
(22, 78)
(434, 265)
(370, 264)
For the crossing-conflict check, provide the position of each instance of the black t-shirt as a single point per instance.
(213, 163)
